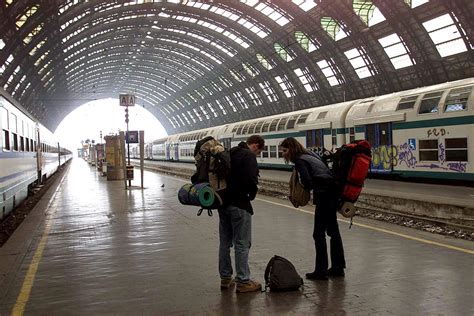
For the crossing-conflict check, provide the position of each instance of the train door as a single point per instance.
(167, 152)
(380, 138)
(176, 152)
(315, 139)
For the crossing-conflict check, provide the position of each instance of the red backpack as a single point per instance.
(350, 166)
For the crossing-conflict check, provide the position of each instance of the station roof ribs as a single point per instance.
(200, 64)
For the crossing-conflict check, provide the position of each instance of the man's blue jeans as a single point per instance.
(235, 227)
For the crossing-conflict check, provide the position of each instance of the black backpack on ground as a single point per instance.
(281, 275)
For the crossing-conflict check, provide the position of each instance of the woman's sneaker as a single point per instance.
(250, 286)
(227, 283)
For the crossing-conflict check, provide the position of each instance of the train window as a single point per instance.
(351, 134)
(370, 134)
(27, 144)
(265, 152)
(239, 129)
(4, 115)
(32, 148)
(273, 125)
(302, 118)
(6, 140)
(407, 103)
(265, 126)
(245, 130)
(428, 150)
(281, 125)
(273, 151)
(370, 108)
(430, 102)
(280, 152)
(258, 128)
(457, 99)
(291, 122)
(14, 141)
(456, 149)
(252, 128)
(322, 115)
(22, 143)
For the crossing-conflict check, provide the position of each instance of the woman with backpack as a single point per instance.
(315, 175)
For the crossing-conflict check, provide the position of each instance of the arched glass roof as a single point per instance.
(198, 64)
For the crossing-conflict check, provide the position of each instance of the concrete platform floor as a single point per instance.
(91, 247)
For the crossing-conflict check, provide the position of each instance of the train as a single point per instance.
(422, 133)
(29, 153)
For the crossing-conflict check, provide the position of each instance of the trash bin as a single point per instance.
(129, 172)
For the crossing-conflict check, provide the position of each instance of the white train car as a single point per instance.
(18, 163)
(273, 129)
(420, 133)
(29, 153)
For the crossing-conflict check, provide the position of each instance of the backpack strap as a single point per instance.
(268, 270)
(209, 212)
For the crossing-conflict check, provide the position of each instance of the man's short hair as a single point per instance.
(256, 139)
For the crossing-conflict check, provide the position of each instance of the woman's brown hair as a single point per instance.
(295, 149)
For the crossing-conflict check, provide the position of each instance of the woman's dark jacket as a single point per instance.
(244, 178)
(314, 173)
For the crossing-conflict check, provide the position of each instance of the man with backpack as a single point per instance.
(315, 175)
(235, 218)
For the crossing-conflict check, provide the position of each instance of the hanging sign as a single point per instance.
(127, 100)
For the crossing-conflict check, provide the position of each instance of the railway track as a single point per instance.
(460, 228)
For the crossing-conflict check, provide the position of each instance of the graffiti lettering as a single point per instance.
(384, 157)
(436, 132)
(432, 166)
(406, 155)
(442, 153)
(457, 166)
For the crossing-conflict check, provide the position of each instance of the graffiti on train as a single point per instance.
(436, 132)
(385, 157)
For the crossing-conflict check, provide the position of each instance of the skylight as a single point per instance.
(328, 72)
(305, 78)
(305, 5)
(358, 62)
(415, 3)
(265, 63)
(445, 35)
(272, 13)
(368, 12)
(333, 28)
(285, 85)
(282, 52)
(396, 51)
(305, 42)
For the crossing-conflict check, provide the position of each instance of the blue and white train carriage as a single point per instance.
(425, 133)
(29, 153)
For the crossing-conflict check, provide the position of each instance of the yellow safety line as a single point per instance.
(379, 229)
(25, 291)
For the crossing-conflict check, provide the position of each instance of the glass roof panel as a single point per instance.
(305, 5)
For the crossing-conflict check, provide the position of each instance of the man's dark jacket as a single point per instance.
(243, 179)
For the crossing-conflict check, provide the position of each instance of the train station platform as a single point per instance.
(460, 196)
(92, 247)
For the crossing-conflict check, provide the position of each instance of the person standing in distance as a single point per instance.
(235, 218)
(316, 176)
